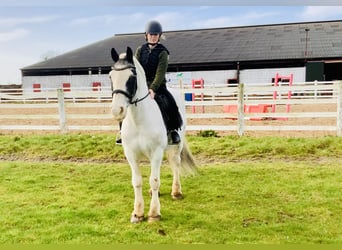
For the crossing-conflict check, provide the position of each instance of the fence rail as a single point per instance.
(236, 108)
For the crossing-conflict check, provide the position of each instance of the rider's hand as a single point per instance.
(152, 94)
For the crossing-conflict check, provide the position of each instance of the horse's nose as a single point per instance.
(118, 112)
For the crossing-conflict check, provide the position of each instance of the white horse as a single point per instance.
(144, 133)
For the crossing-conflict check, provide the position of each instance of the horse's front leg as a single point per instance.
(154, 213)
(138, 212)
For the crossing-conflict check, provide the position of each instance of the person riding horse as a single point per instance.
(154, 57)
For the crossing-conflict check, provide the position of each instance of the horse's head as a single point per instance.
(124, 82)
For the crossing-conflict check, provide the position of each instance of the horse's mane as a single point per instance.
(140, 71)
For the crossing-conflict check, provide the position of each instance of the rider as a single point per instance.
(154, 57)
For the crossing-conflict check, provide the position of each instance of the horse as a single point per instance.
(144, 134)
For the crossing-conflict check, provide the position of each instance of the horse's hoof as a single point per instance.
(136, 219)
(152, 219)
(177, 196)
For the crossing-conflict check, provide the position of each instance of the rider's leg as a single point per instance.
(170, 113)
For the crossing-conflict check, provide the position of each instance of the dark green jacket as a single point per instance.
(158, 79)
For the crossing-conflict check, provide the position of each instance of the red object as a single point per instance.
(260, 108)
(197, 84)
(36, 87)
(96, 86)
(66, 87)
(278, 80)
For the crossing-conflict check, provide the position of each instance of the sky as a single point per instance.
(33, 30)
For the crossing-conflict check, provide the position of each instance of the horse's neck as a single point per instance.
(143, 113)
(141, 110)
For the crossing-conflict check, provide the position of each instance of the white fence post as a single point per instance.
(240, 106)
(339, 109)
(61, 110)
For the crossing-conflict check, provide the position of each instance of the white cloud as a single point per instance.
(15, 21)
(11, 62)
(13, 35)
(108, 19)
(171, 20)
(91, 20)
(319, 13)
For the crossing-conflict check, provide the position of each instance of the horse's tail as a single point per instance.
(188, 165)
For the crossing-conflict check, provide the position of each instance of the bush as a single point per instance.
(207, 133)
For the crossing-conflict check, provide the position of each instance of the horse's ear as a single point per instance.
(115, 55)
(129, 55)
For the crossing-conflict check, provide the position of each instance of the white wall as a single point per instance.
(211, 78)
(259, 76)
(54, 82)
(250, 76)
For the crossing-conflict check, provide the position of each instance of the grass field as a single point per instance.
(77, 189)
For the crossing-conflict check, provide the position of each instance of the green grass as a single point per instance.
(229, 148)
(77, 189)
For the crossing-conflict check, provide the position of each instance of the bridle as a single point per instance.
(123, 92)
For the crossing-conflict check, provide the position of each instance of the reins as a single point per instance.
(130, 97)
(125, 93)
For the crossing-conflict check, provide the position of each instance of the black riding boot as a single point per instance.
(175, 138)
(171, 116)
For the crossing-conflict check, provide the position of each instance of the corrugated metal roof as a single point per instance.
(232, 44)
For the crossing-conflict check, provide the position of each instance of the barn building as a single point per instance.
(220, 56)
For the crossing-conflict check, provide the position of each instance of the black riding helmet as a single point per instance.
(153, 28)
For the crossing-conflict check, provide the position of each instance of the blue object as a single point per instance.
(188, 96)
